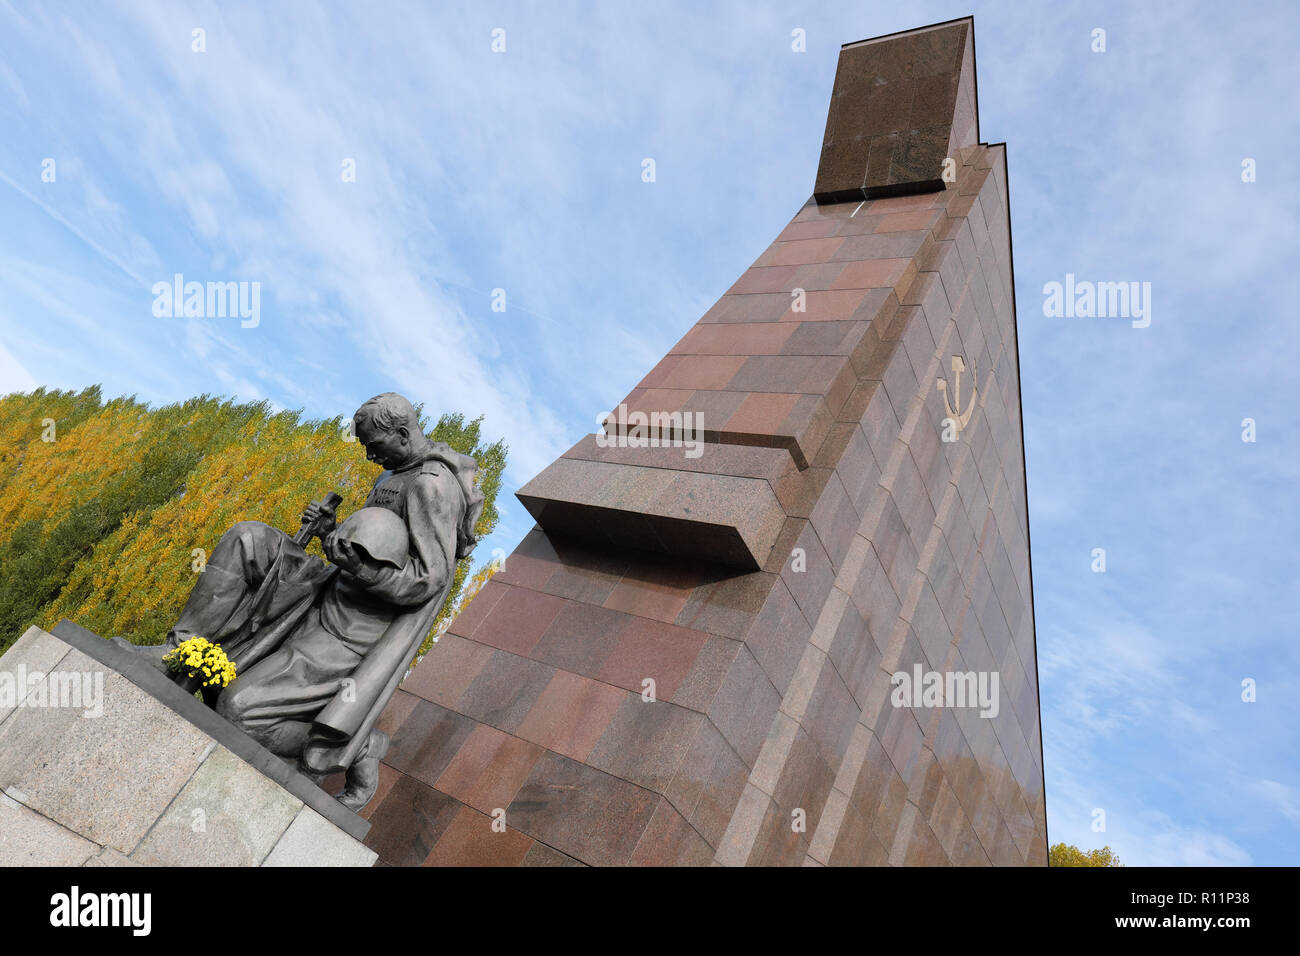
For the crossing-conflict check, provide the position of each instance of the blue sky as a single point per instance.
(522, 171)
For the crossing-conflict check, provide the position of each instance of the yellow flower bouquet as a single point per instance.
(198, 657)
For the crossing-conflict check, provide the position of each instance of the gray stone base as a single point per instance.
(105, 762)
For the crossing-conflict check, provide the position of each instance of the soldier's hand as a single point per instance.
(319, 516)
(340, 552)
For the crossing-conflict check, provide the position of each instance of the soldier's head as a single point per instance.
(389, 428)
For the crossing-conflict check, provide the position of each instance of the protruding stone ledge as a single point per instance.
(727, 519)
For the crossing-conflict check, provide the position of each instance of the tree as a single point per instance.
(1064, 854)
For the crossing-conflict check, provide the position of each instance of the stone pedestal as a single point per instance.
(105, 762)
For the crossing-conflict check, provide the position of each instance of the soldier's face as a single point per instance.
(383, 448)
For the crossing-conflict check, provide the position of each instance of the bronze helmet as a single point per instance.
(379, 533)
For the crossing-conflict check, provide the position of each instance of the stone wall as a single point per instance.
(97, 770)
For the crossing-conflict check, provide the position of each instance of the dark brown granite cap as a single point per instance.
(902, 104)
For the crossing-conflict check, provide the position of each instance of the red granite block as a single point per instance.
(809, 229)
(804, 783)
(855, 843)
(708, 783)
(656, 650)
(832, 447)
(710, 408)
(780, 632)
(589, 815)
(858, 470)
(505, 690)
(489, 768)
(531, 564)
(707, 672)
(841, 386)
(726, 606)
(909, 494)
(910, 220)
(1004, 852)
(570, 714)
(755, 338)
(758, 279)
(645, 742)
(760, 413)
(518, 620)
(824, 338)
(807, 425)
(892, 204)
(387, 778)
(859, 401)
(700, 371)
(656, 589)
(580, 637)
(469, 840)
(901, 383)
(539, 854)
(884, 246)
(800, 491)
(448, 669)
(747, 461)
(805, 374)
(655, 377)
(946, 583)
(427, 740)
(743, 707)
(655, 400)
(854, 655)
(878, 346)
(585, 574)
(831, 714)
(777, 842)
(670, 841)
(397, 709)
(467, 620)
(923, 847)
(835, 522)
(871, 273)
(828, 305)
(754, 307)
(816, 276)
(406, 826)
(901, 736)
(799, 252)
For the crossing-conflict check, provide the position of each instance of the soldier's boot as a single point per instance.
(363, 775)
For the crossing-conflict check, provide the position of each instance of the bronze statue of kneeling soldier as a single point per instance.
(319, 647)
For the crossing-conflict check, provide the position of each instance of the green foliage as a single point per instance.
(1064, 854)
(100, 524)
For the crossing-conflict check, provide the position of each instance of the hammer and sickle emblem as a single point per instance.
(958, 419)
